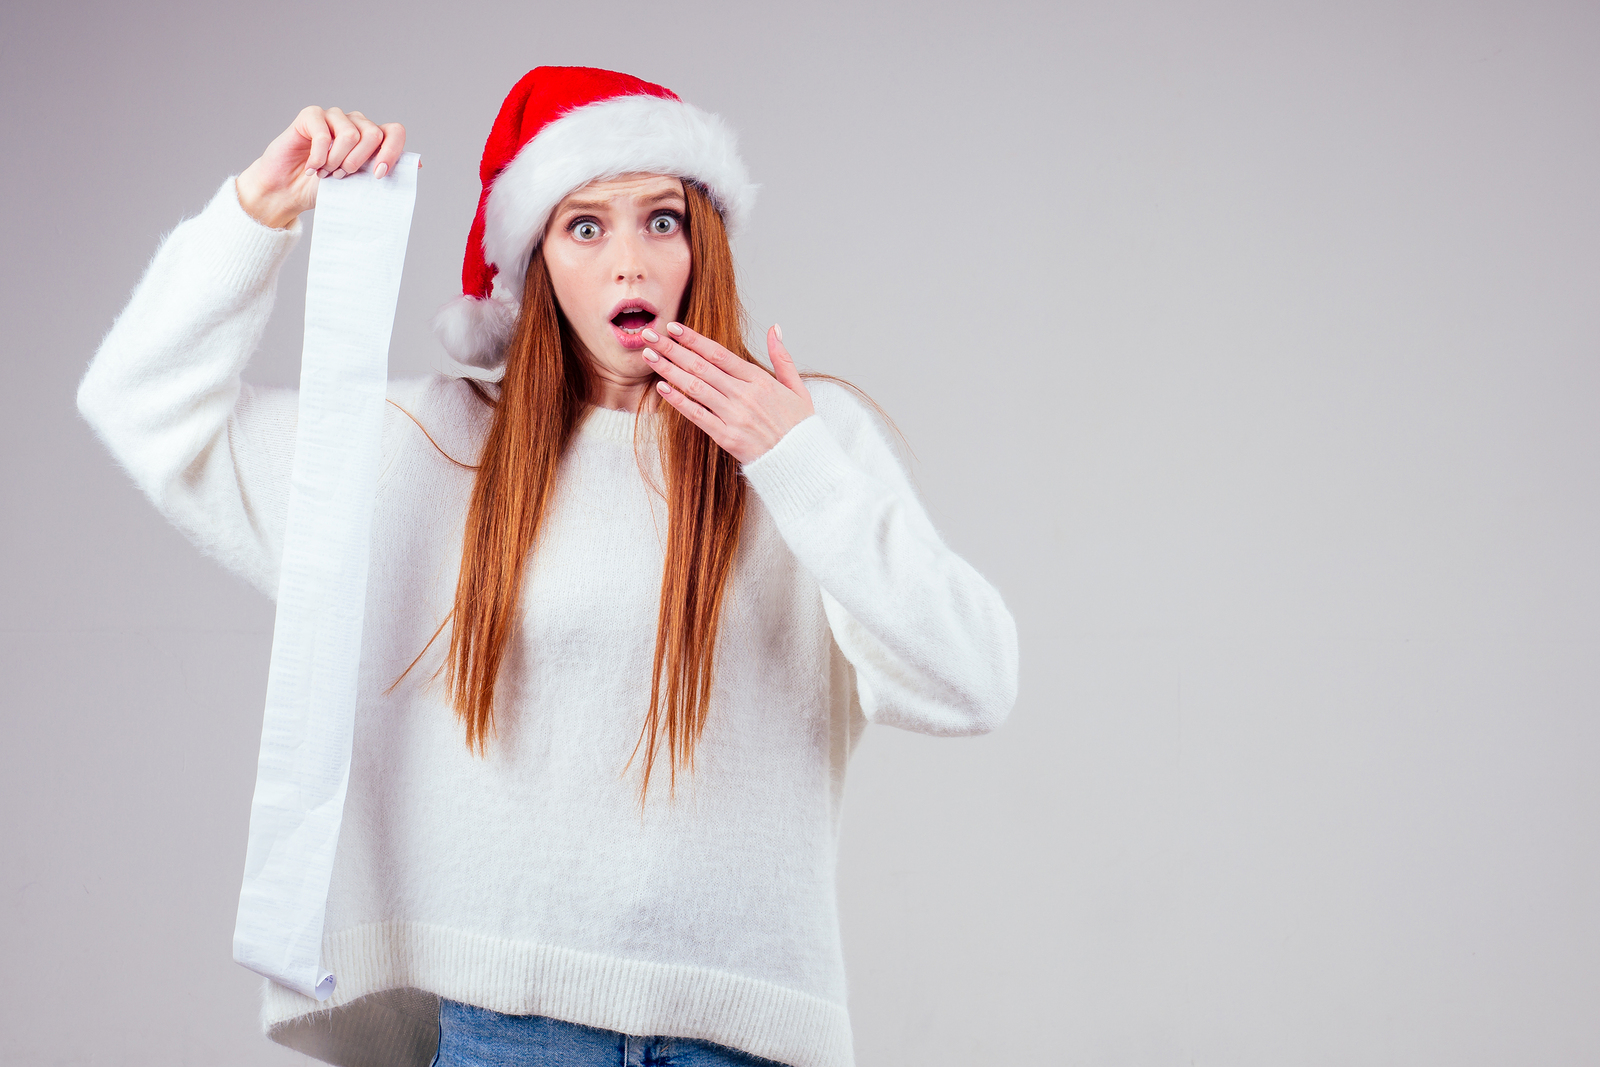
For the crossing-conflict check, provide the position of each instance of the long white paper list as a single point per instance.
(358, 246)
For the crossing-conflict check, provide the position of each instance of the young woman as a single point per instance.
(636, 541)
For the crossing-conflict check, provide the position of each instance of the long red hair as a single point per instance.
(540, 401)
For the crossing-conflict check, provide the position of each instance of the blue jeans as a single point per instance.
(470, 1036)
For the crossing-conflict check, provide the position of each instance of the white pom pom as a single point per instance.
(475, 331)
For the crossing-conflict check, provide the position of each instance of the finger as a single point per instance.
(694, 412)
(783, 367)
(345, 137)
(684, 381)
(708, 349)
(394, 143)
(371, 138)
(312, 124)
(699, 366)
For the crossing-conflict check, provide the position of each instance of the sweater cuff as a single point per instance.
(243, 254)
(805, 466)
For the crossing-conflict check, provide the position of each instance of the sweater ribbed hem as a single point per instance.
(525, 978)
(806, 465)
(242, 253)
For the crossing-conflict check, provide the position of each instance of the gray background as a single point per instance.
(1249, 349)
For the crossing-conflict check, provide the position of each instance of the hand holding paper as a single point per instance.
(319, 143)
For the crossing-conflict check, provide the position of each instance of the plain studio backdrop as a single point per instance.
(1250, 350)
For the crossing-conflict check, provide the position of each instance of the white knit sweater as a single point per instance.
(527, 882)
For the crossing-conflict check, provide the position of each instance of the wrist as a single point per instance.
(277, 211)
(806, 466)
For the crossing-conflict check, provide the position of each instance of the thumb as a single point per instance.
(783, 367)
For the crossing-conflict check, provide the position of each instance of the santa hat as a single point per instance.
(559, 129)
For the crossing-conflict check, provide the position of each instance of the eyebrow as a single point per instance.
(601, 205)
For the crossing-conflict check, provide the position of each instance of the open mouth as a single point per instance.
(633, 317)
(629, 320)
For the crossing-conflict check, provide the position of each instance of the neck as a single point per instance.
(618, 391)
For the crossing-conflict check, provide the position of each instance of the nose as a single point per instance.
(628, 265)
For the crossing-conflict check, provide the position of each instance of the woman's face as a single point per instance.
(618, 259)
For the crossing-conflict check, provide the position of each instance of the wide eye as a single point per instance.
(585, 229)
(664, 224)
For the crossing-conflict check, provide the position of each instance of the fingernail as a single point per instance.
(778, 330)
(380, 170)
(651, 335)
(324, 172)
(339, 173)
(651, 356)
(674, 328)
(664, 387)
(310, 171)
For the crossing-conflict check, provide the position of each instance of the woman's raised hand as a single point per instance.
(742, 407)
(320, 143)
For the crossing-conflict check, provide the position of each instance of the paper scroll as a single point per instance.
(358, 247)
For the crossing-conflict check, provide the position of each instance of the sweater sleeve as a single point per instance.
(164, 392)
(932, 643)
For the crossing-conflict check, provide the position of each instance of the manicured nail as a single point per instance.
(310, 171)
(664, 387)
(674, 328)
(651, 356)
(778, 330)
(650, 335)
(380, 170)
(339, 173)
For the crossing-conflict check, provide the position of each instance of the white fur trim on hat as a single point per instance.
(622, 135)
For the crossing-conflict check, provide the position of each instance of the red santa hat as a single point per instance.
(559, 129)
